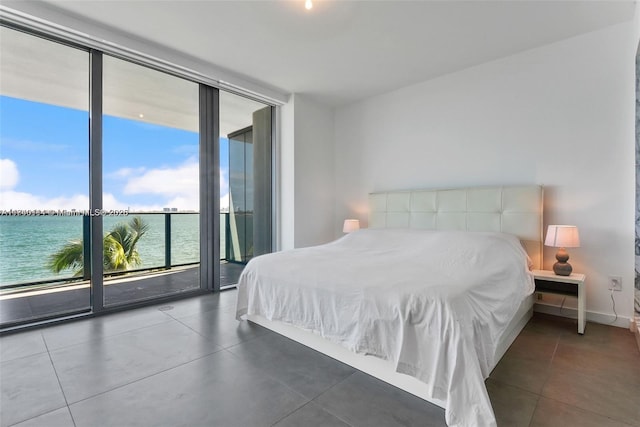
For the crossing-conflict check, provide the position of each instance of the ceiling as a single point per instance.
(343, 51)
(39, 70)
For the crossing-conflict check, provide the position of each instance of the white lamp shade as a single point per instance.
(562, 236)
(350, 225)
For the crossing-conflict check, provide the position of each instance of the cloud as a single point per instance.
(224, 184)
(110, 202)
(9, 175)
(126, 172)
(26, 145)
(180, 185)
(187, 149)
(176, 187)
(19, 200)
(28, 201)
(178, 181)
(11, 199)
(224, 203)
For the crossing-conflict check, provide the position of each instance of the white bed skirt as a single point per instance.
(383, 369)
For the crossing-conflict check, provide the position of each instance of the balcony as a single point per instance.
(169, 254)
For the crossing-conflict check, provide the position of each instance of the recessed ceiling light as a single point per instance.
(308, 5)
(141, 115)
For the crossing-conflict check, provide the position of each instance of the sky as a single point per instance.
(44, 158)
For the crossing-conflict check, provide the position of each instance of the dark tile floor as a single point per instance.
(190, 363)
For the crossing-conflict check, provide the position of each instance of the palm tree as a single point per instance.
(119, 249)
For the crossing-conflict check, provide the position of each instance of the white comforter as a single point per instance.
(433, 302)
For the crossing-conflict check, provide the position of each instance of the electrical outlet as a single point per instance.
(615, 283)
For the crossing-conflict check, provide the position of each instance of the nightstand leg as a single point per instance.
(582, 303)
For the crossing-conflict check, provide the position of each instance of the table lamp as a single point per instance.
(350, 225)
(562, 236)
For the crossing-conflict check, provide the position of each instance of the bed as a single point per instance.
(459, 293)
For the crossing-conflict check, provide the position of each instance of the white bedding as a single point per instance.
(433, 302)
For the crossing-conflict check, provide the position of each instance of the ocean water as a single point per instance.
(26, 242)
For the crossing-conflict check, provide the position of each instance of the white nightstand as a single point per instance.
(548, 281)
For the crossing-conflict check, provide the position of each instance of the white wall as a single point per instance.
(306, 173)
(561, 115)
(285, 170)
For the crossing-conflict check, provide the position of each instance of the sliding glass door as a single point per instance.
(151, 191)
(44, 115)
(246, 177)
(109, 188)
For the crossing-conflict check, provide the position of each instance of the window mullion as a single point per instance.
(95, 179)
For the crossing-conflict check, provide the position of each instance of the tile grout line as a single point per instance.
(584, 409)
(231, 352)
(291, 413)
(219, 345)
(539, 394)
(267, 374)
(237, 357)
(55, 371)
(148, 376)
(91, 340)
(553, 355)
(171, 318)
(578, 408)
(221, 308)
(219, 349)
(502, 383)
(329, 389)
(319, 406)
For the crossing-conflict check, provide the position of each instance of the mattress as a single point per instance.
(433, 303)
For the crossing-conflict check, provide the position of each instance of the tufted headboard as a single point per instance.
(516, 210)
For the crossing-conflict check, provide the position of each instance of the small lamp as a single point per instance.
(350, 225)
(562, 236)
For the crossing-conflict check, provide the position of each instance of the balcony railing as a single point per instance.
(173, 240)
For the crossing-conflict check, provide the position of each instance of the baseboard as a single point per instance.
(592, 316)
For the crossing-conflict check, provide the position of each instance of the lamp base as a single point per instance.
(562, 268)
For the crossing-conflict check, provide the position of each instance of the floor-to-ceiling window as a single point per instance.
(151, 171)
(246, 166)
(124, 158)
(44, 150)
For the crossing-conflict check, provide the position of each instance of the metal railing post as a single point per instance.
(167, 240)
(227, 235)
(86, 247)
